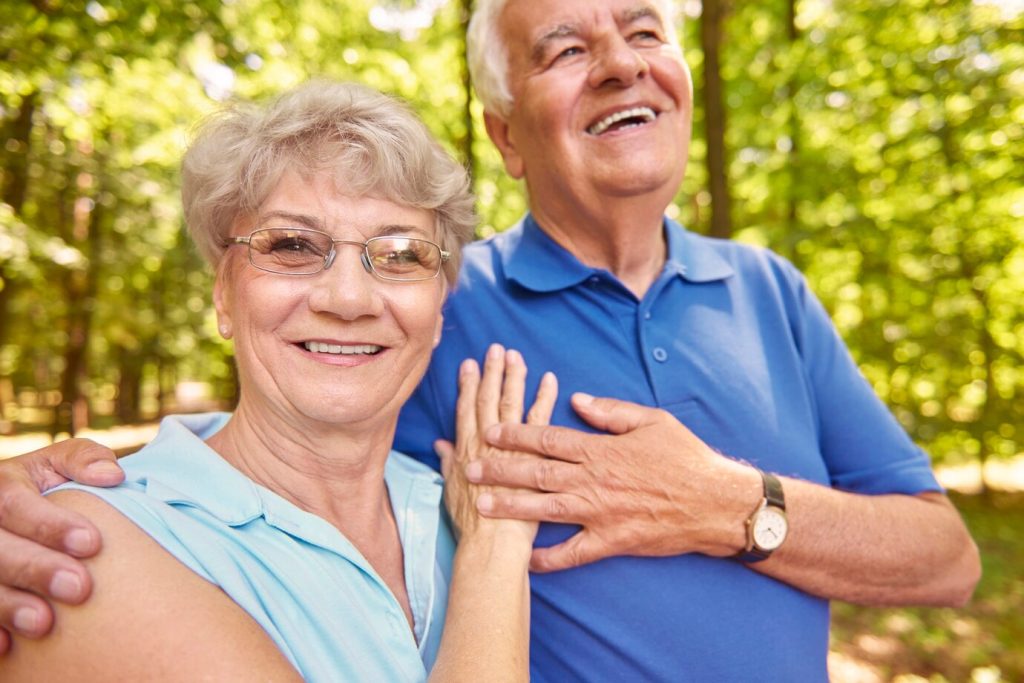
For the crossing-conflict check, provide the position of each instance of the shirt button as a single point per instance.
(660, 354)
(647, 315)
(594, 279)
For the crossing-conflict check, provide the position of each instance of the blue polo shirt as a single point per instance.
(731, 341)
(295, 574)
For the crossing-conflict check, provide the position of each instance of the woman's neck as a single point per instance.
(321, 468)
(324, 470)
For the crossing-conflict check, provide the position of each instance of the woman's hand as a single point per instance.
(496, 397)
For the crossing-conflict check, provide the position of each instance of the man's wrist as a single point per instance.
(736, 497)
(767, 526)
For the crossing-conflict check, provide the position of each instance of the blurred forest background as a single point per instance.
(878, 144)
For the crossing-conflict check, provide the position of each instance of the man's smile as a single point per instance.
(625, 118)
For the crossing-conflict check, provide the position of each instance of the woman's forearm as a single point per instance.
(487, 630)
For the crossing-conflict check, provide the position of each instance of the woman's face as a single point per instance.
(341, 346)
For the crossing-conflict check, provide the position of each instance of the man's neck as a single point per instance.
(625, 237)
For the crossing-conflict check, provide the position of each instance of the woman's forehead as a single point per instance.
(318, 201)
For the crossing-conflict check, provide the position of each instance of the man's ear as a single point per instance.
(500, 134)
(221, 295)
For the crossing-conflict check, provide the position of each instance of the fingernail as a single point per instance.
(494, 351)
(65, 586)
(78, 541)
(104, 468)
(485, 503)
(513, 356)
(26, 620)
(582, 399)
(474, 471)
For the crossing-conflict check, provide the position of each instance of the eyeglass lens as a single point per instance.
(298, 251)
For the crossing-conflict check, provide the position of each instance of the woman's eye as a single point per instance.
(296, 245)
(398, 256)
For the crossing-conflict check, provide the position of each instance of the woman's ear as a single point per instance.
(221, 296)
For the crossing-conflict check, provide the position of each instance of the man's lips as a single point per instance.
(624, 118)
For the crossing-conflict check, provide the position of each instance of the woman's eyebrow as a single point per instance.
(390, 229)
(301, 219)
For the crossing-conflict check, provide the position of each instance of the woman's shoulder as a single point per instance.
(145, 611)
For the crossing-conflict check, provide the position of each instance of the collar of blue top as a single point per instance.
(535, 261)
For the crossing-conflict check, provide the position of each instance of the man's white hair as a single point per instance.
(488, 53)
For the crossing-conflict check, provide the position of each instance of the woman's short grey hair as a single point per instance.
(488, 53)
(372, 144)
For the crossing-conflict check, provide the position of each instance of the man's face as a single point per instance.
(602, 100)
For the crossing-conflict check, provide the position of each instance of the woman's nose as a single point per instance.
(346, 287)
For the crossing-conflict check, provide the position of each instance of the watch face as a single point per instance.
(769, 528)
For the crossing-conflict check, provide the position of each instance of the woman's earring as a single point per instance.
(225, 331)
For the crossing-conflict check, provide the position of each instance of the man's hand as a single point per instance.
(39, 540)
(647, 487)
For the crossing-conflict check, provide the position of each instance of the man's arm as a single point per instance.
(651, 487)
(40, 540)
(150, 618)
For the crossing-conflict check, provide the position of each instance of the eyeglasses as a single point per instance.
(300, 251)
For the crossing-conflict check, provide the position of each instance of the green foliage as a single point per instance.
(876, 144)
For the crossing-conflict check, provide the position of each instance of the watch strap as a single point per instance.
(773, 490)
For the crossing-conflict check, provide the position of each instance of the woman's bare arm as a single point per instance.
(487, 630)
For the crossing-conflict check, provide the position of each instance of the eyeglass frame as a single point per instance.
(328, 260)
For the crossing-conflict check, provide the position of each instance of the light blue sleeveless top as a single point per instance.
(293, 572)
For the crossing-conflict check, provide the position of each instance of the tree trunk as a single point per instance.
(80, 288)
(128, 387)
(712, 18)
(15, 187)
(466, 143)
(795, 132)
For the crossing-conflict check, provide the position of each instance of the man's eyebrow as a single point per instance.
(631, 16)
(540, 46)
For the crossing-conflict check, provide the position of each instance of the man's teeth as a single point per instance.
(320, 347)
(645, 114)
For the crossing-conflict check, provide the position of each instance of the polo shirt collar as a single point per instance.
(693, 257)
(535, 261)
(532, 259)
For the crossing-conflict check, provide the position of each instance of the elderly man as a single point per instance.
(737, 473)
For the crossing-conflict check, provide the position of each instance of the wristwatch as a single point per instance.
(767, 526)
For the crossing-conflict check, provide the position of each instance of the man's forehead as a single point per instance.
(570, 18)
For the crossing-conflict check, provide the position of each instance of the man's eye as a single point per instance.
(569, 52)
(646, 37)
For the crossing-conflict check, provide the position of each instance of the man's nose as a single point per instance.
(616, 62)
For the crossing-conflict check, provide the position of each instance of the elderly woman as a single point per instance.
(287, 538)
